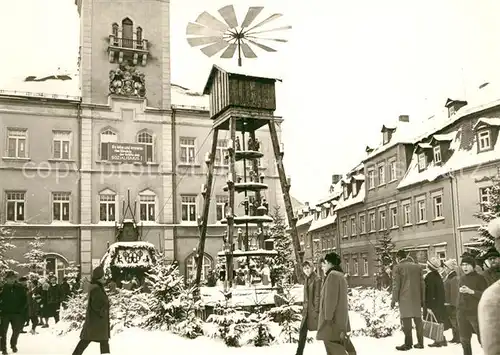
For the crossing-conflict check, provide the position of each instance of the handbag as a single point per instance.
(432, 329)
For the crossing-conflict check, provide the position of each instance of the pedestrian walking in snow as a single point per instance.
(492, 266)
(13, 305)
(34, 299)
(96, 327)
(333, 317)
(310, 305)
(435, 297)
(53, 300)
(23, 281)
(408, 290)
(471, 288)
(451, 297)
(489, 316)
(65, 291)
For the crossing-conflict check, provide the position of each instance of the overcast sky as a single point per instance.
(349, 66)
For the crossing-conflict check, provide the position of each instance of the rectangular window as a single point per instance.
(221, 202)
(381, 175)
(422, 164)
(187, 150)
(484, 140)
(383, 222)
(15, 206)
(362, 223)
(421, 211)
(437, 154)
(371, 179)
(356, 266)
(354, 188)
(61, 206)
(394, 216)
(407, 213)
(344, 228)
(484, 198)
(188, 208)
(441, 253)
(365, 265)
(107, 207)
(324, 212)
(437, 201)
(221, 157)
(392, 171)
(353, 226)
(16, 143)
(373, 226)
(61, 143)
(345, 192)
(147, 140)
(147, 207)
(347, 268)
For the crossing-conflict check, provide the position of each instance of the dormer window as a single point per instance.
(437, 154)
(386, 137)
(354, 188)
(454, 105)
(387, 133)
(422, 163)
(345, 192)
(324, 212)
(484, 140)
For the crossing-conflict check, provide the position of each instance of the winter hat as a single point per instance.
(450, 264)
(401, 254)
(434, 263)
(469, 260)
(98, 273)
(491, 253)
(333, 258)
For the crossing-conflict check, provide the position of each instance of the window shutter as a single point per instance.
(11, 148)
(57, 149)
(104, 151)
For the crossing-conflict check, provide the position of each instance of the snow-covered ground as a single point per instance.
(137, 341)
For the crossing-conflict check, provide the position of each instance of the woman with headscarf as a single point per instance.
(96, 327)
(434, 299)
(450, 282)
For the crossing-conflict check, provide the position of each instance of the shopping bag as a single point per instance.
(432, 329)
(349, 346)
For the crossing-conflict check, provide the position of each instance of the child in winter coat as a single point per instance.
(471, 288)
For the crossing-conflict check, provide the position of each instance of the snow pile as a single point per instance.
(374, 306)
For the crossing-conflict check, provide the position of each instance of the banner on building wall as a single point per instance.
(127, 152)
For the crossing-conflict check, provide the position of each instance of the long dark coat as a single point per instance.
(435, 297)
(408, 288)
(310, 308)
(451, 288)
(96, 326)
(333, 316)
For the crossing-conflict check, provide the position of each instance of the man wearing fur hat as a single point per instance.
(435, 296)
(492, 266)
(333, 318)
(471, 287)
(489, 316)
(450, 282)
(409, 291)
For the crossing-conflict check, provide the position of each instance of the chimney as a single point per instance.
(336, 178)
(307, 204)
(404, 118)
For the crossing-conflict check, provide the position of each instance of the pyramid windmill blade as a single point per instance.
(211, 22)
(196, 29)
(267, 39)
(261, 46)
(199, 41)
(228, 14)
(252, 13)
(247, 51)
(267, 20)
(214, 48)
(272, 30)
(229, 52)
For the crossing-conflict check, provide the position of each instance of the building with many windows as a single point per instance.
(421, 185)
(116, 142)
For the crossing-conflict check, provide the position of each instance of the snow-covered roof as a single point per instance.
(56, 86)
(462, 156)
(359, 177)
(447, 137)
(322, 222)
(188, 99)
(305, 220)
(359, 198)
(424, 145)
(403, 133)
(488, 121)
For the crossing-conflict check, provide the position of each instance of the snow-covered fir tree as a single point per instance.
(488, 211)
(5, 245)
(384, 249)
(282, 265)
(35, 257)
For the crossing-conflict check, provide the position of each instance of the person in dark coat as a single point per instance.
(435, 297)
(53, 300)
(451, 297)
(96, 326)
(13, 305)
(333, 317)
(492, 266)
(471, 288)
(34, 299)
(310, 306)
(65, 290)
(408, 290)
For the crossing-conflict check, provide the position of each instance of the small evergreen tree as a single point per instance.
(282, 264)
(5, 246)
(35, 257)
(489, 211)
(384, 249)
